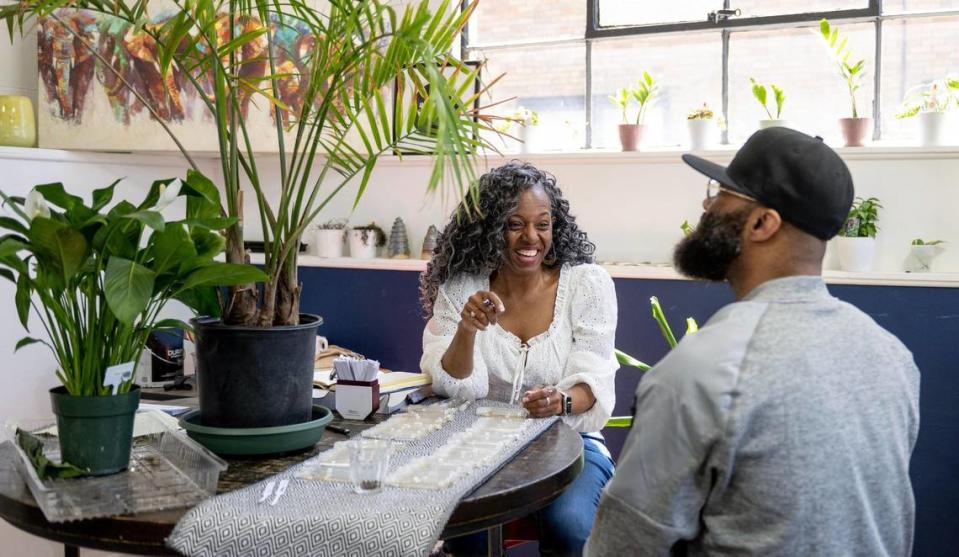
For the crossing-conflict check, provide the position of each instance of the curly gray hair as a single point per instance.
(477, 244)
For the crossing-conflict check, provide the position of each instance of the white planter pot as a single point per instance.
(702, 133)
(329, 242)
(936, 128)
(524, 133)
(777, 123)
(857, 255)
(362, 243)
(920, 258)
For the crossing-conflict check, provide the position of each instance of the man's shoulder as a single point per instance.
(711, 357)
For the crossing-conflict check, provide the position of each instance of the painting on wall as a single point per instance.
(87, 62)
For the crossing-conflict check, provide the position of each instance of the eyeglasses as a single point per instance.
(713, 188)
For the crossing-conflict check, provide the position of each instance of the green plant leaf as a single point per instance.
(660, 318)
(207, 244)
(56, 195)
(8, 274)
(171, 247)
(10, 245)
(62, 248)
(102, 197)
(13, 225)
(26, 341)
(22, 299)
(152, 219)
(199, 185)
(211, 223)
(620, 421)
(203, 300)
(128, 287)
(223, 274)
(627, 360)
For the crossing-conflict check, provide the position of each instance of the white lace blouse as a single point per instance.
(576, 348)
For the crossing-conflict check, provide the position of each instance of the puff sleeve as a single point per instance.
(437, 337)
(592, 359)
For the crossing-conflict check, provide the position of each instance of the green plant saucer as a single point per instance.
(257, 440)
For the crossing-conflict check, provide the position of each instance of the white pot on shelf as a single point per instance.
(857, 255)
(524, 133)
(702, 132)
(362, 243)
(329, 242)
(936, 128)
(920, 258)
(774, 123)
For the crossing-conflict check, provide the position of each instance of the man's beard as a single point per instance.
(709, 250)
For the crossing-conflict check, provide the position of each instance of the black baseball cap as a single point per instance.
(796, 174)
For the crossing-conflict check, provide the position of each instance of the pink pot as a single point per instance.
(855, 130)
(630, 136)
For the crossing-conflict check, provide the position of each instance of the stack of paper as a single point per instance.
(389, 381)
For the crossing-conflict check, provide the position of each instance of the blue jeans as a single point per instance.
(565, 524)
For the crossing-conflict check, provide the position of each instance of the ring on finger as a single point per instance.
(472, 313)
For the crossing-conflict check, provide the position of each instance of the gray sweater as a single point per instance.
(783, 427)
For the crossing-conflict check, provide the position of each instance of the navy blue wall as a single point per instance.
(376, 313)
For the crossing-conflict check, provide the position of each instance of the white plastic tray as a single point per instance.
(167, 470)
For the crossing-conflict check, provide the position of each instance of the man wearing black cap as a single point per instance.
(784, 426)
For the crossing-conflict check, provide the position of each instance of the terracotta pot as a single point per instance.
(855, 130)
(630, 136)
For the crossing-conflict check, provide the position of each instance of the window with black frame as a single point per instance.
(564, 63)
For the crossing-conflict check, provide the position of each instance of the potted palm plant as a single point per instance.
(645, 93)
(855, 128)
(97, 280)
(857, 238)
(255, 363)
(779, 97)
(933, 104)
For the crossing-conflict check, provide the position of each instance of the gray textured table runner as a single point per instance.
(328, 519)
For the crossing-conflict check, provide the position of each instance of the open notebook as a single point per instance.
(389, 381)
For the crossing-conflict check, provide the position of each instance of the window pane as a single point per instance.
(688, 69)
(798, 61)
(903, 6)
(510, 21)
(914, 51)
(630, 12)
(761, 8)
(549, 80)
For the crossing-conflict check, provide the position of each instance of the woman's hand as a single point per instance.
(543, 402)
(480, 311)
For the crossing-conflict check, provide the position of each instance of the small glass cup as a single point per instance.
(369, 460)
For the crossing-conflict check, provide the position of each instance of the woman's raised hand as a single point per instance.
(481, 310)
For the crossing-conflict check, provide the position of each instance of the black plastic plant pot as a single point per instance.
(255, 376)
(95, 432)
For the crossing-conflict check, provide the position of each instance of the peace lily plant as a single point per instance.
(97, 280)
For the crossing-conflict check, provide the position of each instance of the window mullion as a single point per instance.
(588, 105)
(877, 85)
(724, 137)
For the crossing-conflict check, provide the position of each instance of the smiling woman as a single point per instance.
(518, 313)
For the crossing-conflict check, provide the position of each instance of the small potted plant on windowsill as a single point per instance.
(645, 93)
(779, 97)
(328, 238)
(857, 238)
(97, 280)
(365, 239)
(921, 254)
(702, 128)
(935, 105)
(855, 130)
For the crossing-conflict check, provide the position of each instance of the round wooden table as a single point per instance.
(530, 481)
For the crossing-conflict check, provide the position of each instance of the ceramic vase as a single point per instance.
(17, 125)
(857, 255)
(855, 130)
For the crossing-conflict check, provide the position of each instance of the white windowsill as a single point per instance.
(646, 271)
(648, 156)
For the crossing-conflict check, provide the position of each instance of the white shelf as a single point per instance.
(645, 271)
(582, 157)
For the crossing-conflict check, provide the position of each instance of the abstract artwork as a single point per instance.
(87, 60)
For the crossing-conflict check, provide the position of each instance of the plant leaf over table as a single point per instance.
(97, 279)
(359, 50)
(625, 359)
(852, 71)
